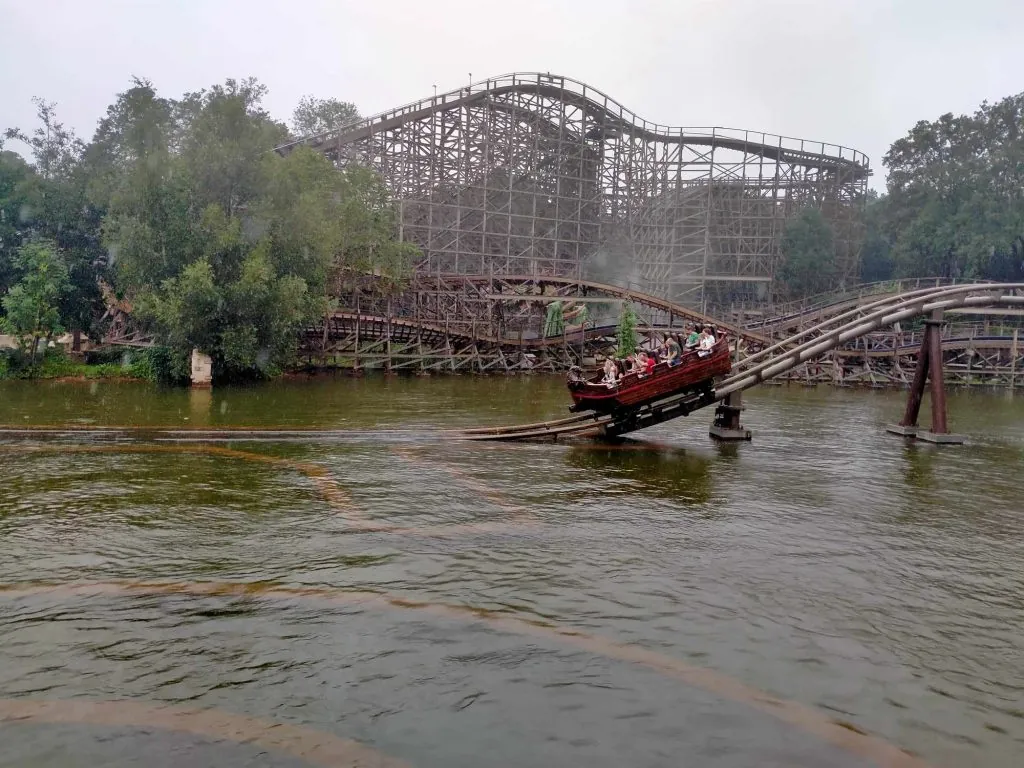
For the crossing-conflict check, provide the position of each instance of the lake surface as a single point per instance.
(661, 601)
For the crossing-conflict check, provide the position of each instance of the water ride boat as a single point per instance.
(693, 373)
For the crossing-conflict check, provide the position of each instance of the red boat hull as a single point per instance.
(692, 373)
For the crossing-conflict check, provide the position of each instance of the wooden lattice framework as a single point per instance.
(489, 323)
(537, 174)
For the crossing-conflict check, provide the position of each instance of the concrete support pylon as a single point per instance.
(727, 424)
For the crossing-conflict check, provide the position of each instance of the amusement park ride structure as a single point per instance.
(541, 175)
(527, 190)
(784, 356)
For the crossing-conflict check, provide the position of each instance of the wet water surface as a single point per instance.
(380, 593)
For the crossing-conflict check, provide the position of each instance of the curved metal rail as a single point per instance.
(795, 313)
(860, 311)
(999, 295)
(918, 303)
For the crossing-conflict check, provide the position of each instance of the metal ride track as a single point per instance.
(793, 316)
(770, 362)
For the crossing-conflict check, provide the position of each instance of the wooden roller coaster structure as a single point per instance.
(491, 324)
(533, 173)
(488, 324)
(776, 359)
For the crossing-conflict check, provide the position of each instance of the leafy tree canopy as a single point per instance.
(47, 200)
(225, 245)
(32, 306)
(809, 260)
(313, 115)
(183, 206)
(955, 204)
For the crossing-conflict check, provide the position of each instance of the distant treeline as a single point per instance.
(954, 207)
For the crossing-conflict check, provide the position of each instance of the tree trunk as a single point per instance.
(35, 346)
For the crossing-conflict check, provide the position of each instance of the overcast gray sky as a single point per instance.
(854, 72)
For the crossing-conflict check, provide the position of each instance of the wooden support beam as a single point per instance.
(1013, 360)
(938, 388)
(913, 408)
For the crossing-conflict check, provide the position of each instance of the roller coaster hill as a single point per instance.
(534, 196)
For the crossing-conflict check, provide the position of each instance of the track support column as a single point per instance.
(929, 366)
(727, 424)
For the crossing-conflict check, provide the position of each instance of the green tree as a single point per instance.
(55, 148)
(314, 116)
(955, 204)
(53, 205)
(217, 241)
(223, 143)
(224, 245)
(809, 261)
(17, 203)
(876, 260)
(32, 306)
(625, 333)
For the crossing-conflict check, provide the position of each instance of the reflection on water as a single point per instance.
(919, 465)
(875, 581)
(651, 469)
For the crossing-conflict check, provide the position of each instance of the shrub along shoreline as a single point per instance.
(151, 364)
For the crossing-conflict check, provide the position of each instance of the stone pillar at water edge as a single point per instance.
(202, 369)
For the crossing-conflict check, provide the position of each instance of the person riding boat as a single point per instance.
(611, 373)
(640, 363)
(707, 342)
(672, 350)
(693, 339)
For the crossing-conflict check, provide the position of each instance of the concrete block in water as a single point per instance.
(202, 369)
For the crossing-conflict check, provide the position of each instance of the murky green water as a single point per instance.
(878, 582)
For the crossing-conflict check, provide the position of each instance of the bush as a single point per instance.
(157, 364)
(13, 363)
(162, 365)
(55, 363)
(106, 355)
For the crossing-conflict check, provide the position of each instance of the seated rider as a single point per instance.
(611, 373)
(707, 341)
(672, 351)
(640, 363)
(651, 361)
(693, 339)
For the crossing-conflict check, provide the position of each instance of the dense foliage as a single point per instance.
(32, 305)
(808, 253)
(217, 242)
(626, 338)
(954, 207)
(955, 203)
